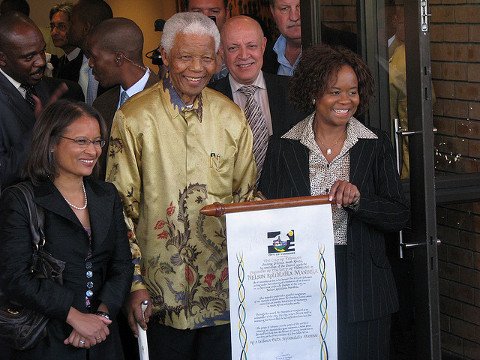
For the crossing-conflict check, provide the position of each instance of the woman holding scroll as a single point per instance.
(331, 152)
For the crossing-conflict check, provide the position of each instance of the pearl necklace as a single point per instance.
(85, 201)
(329, 149)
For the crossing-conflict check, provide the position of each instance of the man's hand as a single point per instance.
(134, 310)
(57, 94)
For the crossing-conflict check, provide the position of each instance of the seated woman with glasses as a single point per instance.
(84, 227)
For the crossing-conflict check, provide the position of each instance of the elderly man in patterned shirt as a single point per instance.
(175, 148)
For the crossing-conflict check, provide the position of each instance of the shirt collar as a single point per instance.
(259, 82)
(303, 131)
(12, 80)
(280, 47)
(138, 86)
(177, 103)
(73, 54)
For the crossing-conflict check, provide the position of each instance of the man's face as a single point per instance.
(286, 14)
(191, 63)
(210, 8)
(76, 32)
(243, 45)
(103, 64)
(59, 26)
(24, 56)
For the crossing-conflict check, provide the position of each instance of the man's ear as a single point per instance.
(163, 52)
(3, 59)
(221, 51)
(86, 28)
(119, 59)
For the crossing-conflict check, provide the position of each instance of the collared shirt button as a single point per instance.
(89, 274)
(89, 293)
(89, 285)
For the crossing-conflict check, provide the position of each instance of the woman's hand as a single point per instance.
(88, 329)
(344, 193)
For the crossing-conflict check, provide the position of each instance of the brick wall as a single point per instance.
(455, 53)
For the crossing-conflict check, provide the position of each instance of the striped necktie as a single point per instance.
(258, 124)
(29, 91)
(123, 97)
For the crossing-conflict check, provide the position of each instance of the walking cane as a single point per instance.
(142, 336)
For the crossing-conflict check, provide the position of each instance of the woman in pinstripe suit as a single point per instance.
(331, 152)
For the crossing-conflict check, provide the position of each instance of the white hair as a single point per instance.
(188, 23)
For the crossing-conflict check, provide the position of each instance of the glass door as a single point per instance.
(394, 39)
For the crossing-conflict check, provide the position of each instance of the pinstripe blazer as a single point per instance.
(371, 288)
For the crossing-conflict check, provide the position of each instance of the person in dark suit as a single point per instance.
(84, 227)
(22, 64)
(86, 14)
(115, 47)
(330, 152)
(68, 66)
(243, 46)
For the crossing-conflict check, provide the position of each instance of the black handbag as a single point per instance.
(20, 327)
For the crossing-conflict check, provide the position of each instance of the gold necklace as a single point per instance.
(329, 149)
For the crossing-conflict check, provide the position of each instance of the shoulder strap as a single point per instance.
(37, 216)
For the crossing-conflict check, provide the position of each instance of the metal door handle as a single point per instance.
(414, 245)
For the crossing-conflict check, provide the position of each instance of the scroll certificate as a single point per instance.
(282, 284)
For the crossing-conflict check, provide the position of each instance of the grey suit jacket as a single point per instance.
(106, 104)
(371, 287)
(284, 115)
(16, 124)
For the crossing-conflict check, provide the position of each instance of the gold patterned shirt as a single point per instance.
(168, 161)
(324, 174)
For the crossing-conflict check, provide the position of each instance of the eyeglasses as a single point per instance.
(59, 26)
(84, 142)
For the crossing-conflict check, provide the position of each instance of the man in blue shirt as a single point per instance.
(288, 47)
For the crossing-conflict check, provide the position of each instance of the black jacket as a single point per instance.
(383, 208)
(67, 240)
(16, 124)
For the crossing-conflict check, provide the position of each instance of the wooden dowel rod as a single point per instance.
(217, 209)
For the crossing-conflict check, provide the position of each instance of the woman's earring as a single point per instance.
(313, 101)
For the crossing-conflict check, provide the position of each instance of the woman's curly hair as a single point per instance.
(315, 70)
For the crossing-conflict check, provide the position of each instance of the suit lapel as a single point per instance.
(223, 86)
(360, 158)
(17, 102)
(99, 207)
(48, 197)
(100, 211)
(295, 158)
(275, 107)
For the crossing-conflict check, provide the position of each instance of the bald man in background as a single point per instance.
(115, 50)
(243, 46)
(86, 14)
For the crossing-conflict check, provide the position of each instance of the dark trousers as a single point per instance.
(208, 343)
(364, 340)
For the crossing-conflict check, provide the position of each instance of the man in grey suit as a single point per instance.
(23, 91)
(243, 46)
(115, 48)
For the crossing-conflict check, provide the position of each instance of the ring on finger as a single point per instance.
(98, 338)
(81, 342)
